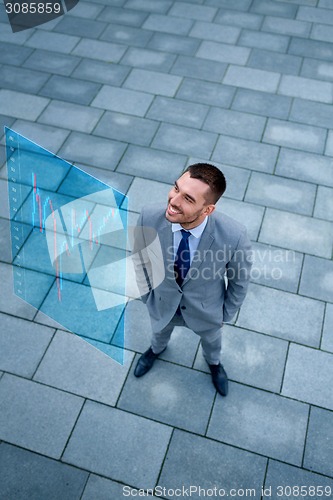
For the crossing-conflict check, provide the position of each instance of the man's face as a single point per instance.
(188, 202)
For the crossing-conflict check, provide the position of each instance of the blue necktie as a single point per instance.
(182, 260)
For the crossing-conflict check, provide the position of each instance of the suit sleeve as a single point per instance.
(238, 272)
(141, 261)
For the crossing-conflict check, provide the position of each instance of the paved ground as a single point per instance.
(132, 90)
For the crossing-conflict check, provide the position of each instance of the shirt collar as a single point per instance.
(196, 231)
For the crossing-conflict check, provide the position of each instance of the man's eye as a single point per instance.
(188, 199)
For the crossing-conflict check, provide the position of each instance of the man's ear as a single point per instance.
(209, 209)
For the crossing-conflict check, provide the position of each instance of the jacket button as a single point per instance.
(183, 307)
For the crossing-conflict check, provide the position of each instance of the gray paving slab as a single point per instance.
(102, 72)
(21, 105)
(115, 14)
(329, 144)
(250, 358)
(286, 481)
(55, 42)
(123, 100)
(274, 61)
(327, 339)
(282, 314)
(70, 89)
(28, 475)
(325, 4)
(143, 189)
(314, 15)
(206, 92)
(148, 59)
(191, 460)
(97, 49)
(262, 103)
(319, 442)
(166, 24)
(104, 489)
(212, 31)
(152, 164)
(178, 112)
(184, 140)
(297, 232)
(81, 27)
(299, 165)
(276, 267)
(21, 79)
(278, 192)
(321, 70)
(268, 7)
(121, 182)
(13, 54)
(150, 5)
(203, 69)
(312, 113)
(236, 5)
(322, 32)
(235, 123)
(6, 251)
(261, 422)
(198, 12)
(255, 79)
(44, 60)
(301, 384)
(87, 10)
(5, 120)
(95, 151)
(306, 88)
(246, 154)
(71, 116)
(127, 35)
(286, 26)
(223, 53)
(271, 41)
(71, 364)
(7, 35)
(95, 446)
(23, 345)
(35, 416)
(311, 48)
(242, 19)
(248, 214)
(153, 82)
(316, 279)
(173, 43)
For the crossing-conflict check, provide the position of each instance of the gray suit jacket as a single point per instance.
(207, 299)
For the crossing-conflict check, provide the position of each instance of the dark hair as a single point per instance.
(211, 175)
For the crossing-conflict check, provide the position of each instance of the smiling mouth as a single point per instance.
(172, 211)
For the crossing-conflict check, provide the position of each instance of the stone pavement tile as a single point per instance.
(55, 42)
(4, 206)
(301, 384)
(325, 4)
(246, 154)
(44, 60)
(13, 54)
(317, 278)
(6, 34)
(71, 116)
(297, 232)
(109, 441)
(261, 422)
(6, 251)
(268, 7)
(102, 51)
(35, 416)
(282, 314)
(322, 32)
(102, 72)
(278, 192)
(312, 113)
(86, 10)
(148, 59)
(152, 164)
(262, 103)
(43, 319)
(318, 450)
(329, 144)
(251, 358)
(142, 190)
(126, 16)
(255, 79)
(21, 105)
(311, 48)
(118, 181)
(286, 26)
(194, 67)
(299, 165)
(295, 135)
(315, 15)
(236, 4)
(70, 89)
(198, 12)
(223, 52)
(79, 26)
(276, 267)
(28, 475)
(23, 344)
(72, 365)
(184, 140)
(281, 477)
(306, 88)
(50, 138)
(235, 123)
(171, 394)
(95, 151)
(21, 79)
(126, 128)
(152, 82)
(245, 213)
(234, 18)
(126, 35)
(161, 6)
(11, 304)
(270, 41)
(321, 70)
(196, 461)
(176, 44)
(272, 61)
(324, 203)
(179, 112)
(327, 340)
(7, 121)
(212, 31)
(104, 489)
(166, 24)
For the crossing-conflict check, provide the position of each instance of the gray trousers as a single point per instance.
(211, 340)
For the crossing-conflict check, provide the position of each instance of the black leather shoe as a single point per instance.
(220, 379)
(145, 362)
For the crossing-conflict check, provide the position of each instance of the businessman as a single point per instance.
(206, 260)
